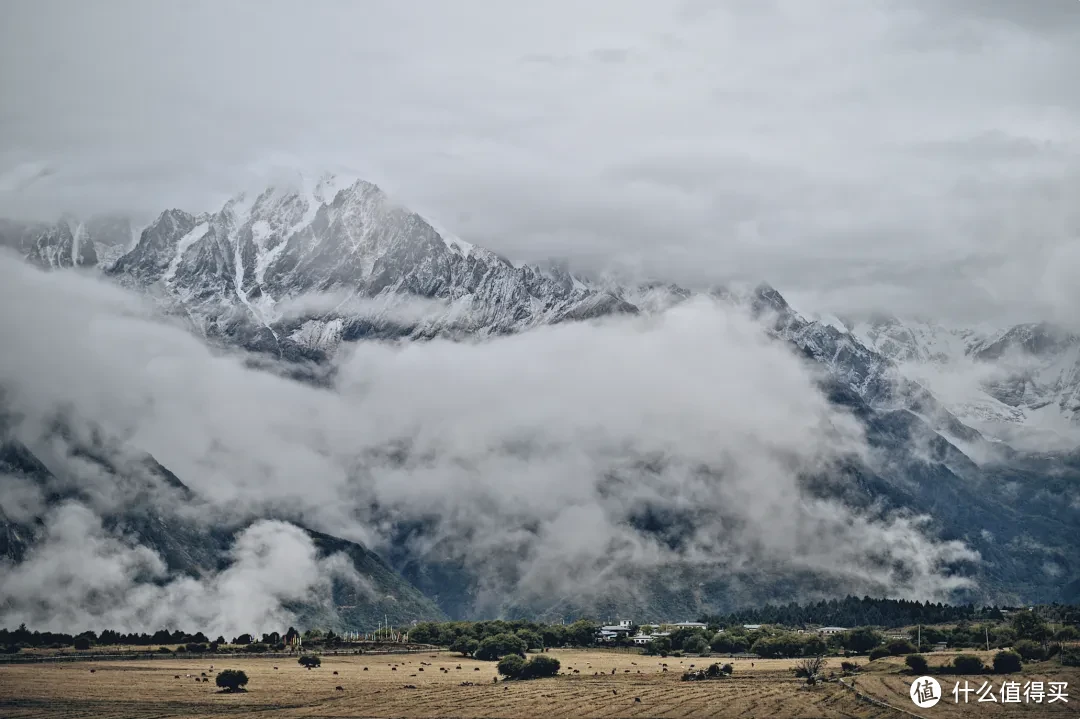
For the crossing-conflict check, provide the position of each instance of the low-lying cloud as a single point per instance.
(81, 576)
(529, 459)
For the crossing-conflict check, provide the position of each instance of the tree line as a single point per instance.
(852, 611)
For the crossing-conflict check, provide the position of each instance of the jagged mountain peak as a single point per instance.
(1035, 338)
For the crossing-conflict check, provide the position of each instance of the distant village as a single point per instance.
(609, 633)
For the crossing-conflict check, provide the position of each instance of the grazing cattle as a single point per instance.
(335, 674)
(206, 680)
(176, 677)
(612, 671)
(365, 668)
(196, 680)
(476, 669)
(93, 670)
(637, 700)
(614, 692)
(339, 688)
(409, 686)
(275, 668)
(393, 669)
(459, 666)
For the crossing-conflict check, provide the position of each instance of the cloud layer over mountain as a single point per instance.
(532, 458)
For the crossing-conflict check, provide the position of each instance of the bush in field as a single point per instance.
(901, 646)
(510, 666)
(809, 667)
(968, 664)
(231, 680)
(81, 643)
(880, 653)
(1070, 656)
(539, 666)
(1007, 662)
(916, 663)
(1029, 650)
(849, 667)
(499, 645)
(309, 660)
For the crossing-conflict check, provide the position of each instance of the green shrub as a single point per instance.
(898, 647)
(310, 661)
(539, 666)
(231, 680)
(510, 666)
(82, 643)
(1031, 651)
(968, 664)
(1070, 656)
(916, 663)
(880, 653)
(1006, 662)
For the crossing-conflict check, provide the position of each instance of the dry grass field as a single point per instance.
(885, 683)
(376, 686)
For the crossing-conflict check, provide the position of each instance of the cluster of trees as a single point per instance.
(469, 637)
(23, 637)
(15, 639)
(853, 611)
(1022, 627)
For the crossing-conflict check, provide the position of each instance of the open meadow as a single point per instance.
(417, 686)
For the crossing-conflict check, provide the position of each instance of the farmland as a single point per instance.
(420, 685)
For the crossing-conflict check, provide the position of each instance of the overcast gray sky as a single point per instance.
(920, 155)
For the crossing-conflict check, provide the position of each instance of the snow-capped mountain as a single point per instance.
(305, 267)
(69, 242)
(1019, 382)
(298, 269)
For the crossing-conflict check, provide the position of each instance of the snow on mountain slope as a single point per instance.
(68, 242)
(231, 271)
(304, 266)
(1020, 384)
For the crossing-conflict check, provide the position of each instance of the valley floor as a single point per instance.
(376, 686)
